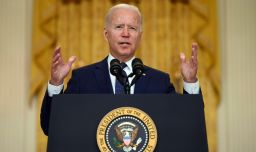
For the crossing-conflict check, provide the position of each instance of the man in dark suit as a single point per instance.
(123, 30)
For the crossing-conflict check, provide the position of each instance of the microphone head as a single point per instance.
(115, 67)
(137, 66)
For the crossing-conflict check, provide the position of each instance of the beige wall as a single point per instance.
(237, 111)
(17, 118)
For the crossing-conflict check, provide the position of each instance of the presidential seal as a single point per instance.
(126, 129)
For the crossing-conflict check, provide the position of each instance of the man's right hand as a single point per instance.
(59, 69)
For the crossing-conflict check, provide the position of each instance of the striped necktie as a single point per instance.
(119, 88)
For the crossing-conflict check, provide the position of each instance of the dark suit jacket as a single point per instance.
(95, 79)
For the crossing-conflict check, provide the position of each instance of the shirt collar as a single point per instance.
(128, 63)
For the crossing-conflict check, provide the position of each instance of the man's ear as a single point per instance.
(105, 33)
(141, 32)
(139, 37)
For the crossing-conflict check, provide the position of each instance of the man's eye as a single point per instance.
(118, 27)
(133, 28)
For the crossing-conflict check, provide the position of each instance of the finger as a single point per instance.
(56, 51)
(71, 60)
(56, 58)
(193, 60)
(56, 54)
(194, 49)
(55, 64)
(182, 57)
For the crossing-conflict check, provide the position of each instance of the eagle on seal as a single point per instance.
(126, 134)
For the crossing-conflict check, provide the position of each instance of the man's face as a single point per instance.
(123, 33)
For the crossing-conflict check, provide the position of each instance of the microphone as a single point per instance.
(115, 68)
(137, 67)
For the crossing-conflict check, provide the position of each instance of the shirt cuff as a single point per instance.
(52, 89)
(192, 88)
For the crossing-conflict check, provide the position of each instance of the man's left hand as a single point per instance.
(189, 68)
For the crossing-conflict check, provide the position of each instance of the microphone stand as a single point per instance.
(125, 82)
(127, 85)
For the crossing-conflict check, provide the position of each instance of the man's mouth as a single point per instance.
(124, 43)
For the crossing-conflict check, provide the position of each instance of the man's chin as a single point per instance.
(125, 57)
(125, 52)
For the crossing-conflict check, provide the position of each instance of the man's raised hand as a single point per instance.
(60, 69)
(189, 68)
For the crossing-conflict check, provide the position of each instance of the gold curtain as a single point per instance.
(169, 27)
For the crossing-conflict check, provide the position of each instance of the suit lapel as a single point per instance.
(142, 83)
(102, 77)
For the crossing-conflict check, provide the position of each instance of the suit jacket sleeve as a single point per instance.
(170, 86)
(47, 100)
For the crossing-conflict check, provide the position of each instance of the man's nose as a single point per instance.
(125, 32)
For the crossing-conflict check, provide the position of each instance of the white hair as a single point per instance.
(122, 6)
